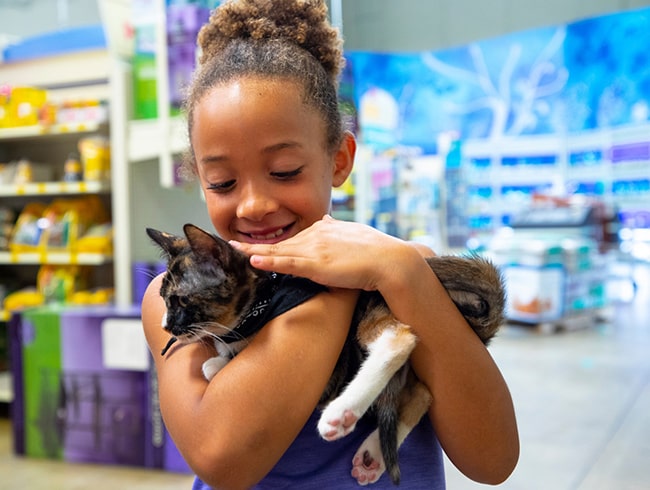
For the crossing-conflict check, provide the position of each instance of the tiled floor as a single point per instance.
(582, 399)
(39, 474)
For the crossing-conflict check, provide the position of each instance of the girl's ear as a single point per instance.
(344, 159)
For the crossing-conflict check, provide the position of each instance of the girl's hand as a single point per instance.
(334, 253)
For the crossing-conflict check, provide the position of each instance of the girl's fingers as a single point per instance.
(275, 258)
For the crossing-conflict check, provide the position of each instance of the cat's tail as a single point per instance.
(387, 412)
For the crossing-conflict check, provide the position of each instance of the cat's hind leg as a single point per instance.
(368, 463)
(386, 354)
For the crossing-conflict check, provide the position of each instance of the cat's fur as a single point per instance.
(209, 288)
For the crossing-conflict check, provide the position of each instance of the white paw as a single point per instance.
(368, 463)
(337, 420)
(213, 365)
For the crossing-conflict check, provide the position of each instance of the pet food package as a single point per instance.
(7, 218)
(26, 235)
(58, 283)
(20, 106)
(95, 153)
(58, 226)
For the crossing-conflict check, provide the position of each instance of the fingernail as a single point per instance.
(234, 244)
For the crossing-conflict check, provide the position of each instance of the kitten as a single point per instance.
(213, 293)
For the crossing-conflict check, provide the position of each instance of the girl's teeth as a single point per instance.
(275, 234)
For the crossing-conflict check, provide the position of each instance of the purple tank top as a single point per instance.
(312, 463)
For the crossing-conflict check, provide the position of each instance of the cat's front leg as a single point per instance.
(225, 353)
(386, 354)
(213, 365)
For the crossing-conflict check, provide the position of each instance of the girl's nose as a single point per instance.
(255, 203)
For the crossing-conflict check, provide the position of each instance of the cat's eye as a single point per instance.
(178, 301)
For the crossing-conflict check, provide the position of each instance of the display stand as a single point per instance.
(554, 273)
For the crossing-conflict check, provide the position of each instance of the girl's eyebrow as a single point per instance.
(282, 146)
(213, 159)
(268, 149)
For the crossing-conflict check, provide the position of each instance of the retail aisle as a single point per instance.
(582, 399)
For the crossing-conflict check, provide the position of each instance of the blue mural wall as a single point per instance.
(564, 79)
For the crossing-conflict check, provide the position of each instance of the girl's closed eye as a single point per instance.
(287, 175)
(224, 186)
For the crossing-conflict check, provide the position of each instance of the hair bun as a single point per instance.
(301, 22)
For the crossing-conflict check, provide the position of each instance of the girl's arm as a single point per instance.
(233, 430)
(472, 410)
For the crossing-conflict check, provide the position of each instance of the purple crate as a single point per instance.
(103, 409)
(142, 273)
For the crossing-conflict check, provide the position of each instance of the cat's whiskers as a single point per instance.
(196, 335)
(225, 346)
(211, 328)
(146, 271)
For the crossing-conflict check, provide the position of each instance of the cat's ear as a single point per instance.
(170, 244)
(204, 244)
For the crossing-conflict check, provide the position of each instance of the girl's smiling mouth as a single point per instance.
(264, 236)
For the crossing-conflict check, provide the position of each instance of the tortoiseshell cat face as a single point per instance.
(206, 279)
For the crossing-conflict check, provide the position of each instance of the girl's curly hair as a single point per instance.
(280, 39)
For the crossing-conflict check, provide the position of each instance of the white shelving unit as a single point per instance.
(66, 77)
(132, 141)
(47, 140)
(135, 141)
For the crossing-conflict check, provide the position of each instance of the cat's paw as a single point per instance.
(213, 365)
(335, 422)
(368, 463)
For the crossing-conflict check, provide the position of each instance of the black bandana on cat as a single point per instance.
(281, 293)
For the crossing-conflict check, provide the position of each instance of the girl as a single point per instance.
(267, 145)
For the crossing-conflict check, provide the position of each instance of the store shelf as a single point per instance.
(38, 130)
(145, 137)
(54, 188)
(61, 258)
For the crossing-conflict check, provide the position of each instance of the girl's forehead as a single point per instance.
(260, 84)
(272, 109)
(257, 95)
(254, 94)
